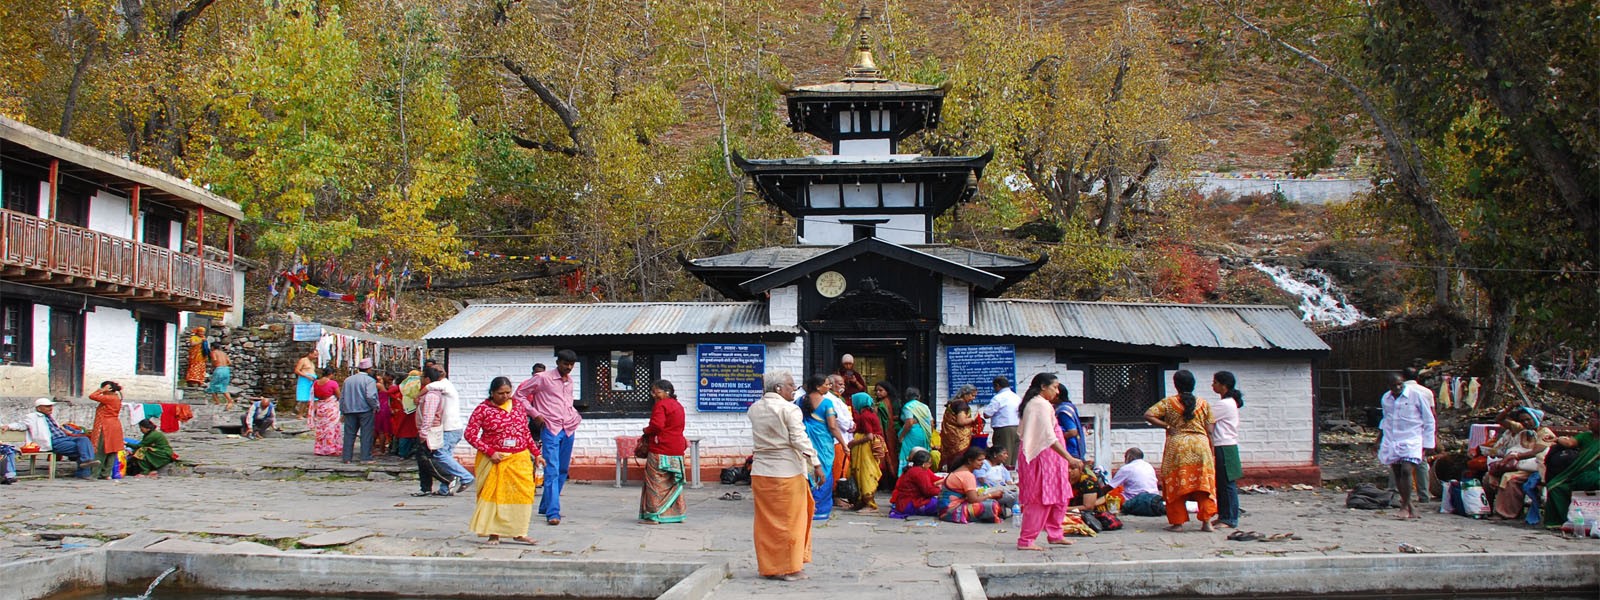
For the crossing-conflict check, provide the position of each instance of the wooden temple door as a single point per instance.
(66, 353)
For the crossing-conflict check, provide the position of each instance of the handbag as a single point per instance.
(846, 489)
(642, 449)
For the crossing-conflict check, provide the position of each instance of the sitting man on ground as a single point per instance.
(153, 453)
(258, 417)
(1140, 491)
(50, 437)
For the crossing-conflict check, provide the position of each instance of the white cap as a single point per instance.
(43, 402)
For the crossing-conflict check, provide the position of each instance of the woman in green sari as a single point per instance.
(154, 451)
(1580, 474)
(916, 428)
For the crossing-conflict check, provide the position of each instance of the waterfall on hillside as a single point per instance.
(1321, 300)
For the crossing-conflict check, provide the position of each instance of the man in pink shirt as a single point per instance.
(547, 399)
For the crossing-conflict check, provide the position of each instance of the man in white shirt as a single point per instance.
(1003, 419)
(1137, 476)
(841, 406)
(1406, 432)
(1423, 476)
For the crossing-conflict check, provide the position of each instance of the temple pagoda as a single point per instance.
(865, 271)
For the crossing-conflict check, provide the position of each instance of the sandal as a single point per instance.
(732, 496)
(1245, 536)
(420, 494)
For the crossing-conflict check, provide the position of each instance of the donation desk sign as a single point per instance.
(978, 366)
(730, 376)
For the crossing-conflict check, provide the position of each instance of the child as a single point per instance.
(994, 475)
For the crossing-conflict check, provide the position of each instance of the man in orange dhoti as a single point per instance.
(783, 503)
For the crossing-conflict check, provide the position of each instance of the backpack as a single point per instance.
(737, 475)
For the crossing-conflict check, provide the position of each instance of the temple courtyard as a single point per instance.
(273, 496)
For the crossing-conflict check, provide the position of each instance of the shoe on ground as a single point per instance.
(461, 486)
(88, 463)
(8, 481)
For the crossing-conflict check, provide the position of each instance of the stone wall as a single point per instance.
(263, 357)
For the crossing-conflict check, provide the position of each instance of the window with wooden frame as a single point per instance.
(616, 383)
(16, 332)
(19, 192)
(1129, 388)
(152, 347)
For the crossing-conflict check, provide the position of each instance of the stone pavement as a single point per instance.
(268, 495)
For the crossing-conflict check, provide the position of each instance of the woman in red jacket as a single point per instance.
(661, 500)
(916, 493)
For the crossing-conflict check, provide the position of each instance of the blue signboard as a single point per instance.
(730, 376)
(307, 332)
(978, 366)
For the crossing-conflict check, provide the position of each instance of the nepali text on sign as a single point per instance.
(729, 376)
(978, 366)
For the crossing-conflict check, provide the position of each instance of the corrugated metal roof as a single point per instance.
(640, 318)
(778, 257)
(1169, 325)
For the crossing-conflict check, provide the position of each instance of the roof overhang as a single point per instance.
(983, 280)
(109, 171)
(950, 179)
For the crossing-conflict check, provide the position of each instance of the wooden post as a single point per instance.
(200, 232)
(55, 170)
(50, 250)
(231, 223)
(138, 232)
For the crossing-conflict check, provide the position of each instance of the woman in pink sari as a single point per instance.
(1044, 487)
(326, 422)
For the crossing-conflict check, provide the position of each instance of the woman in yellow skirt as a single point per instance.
(499, 431)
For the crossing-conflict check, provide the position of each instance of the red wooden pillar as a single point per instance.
(138, 232)
(231, 223)
(55, 171)
(200, 232)
(50, 213)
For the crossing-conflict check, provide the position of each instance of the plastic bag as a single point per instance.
(1473, 499)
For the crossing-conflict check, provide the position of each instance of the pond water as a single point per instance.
(131, 594)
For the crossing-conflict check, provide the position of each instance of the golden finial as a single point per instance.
(863, 68)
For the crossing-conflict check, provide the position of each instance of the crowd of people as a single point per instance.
(1034, 463)
(1527, 469)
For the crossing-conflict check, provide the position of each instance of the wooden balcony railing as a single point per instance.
(50, 253)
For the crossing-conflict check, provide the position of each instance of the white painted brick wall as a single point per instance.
(783, 306)
(110, 348)
(722, 434)
(1275, 426)
(109, 213)
(956, 303)
(34, 379)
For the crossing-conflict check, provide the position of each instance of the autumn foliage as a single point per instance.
(1182, 275)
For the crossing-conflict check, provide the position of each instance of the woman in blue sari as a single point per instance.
(916, 425)
(823, 429)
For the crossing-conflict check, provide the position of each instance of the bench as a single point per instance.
(18, 438)
(626, 445)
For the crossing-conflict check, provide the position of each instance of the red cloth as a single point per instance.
(169, 418)
(867, 422)
(405, 426)
(493, 429)
(915, 487)
(666, 428)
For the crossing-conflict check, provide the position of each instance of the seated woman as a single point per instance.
(916, 493)
(154, 451)
(964, 499)
(1087, 487)
(1579, 453)
(994, 475)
